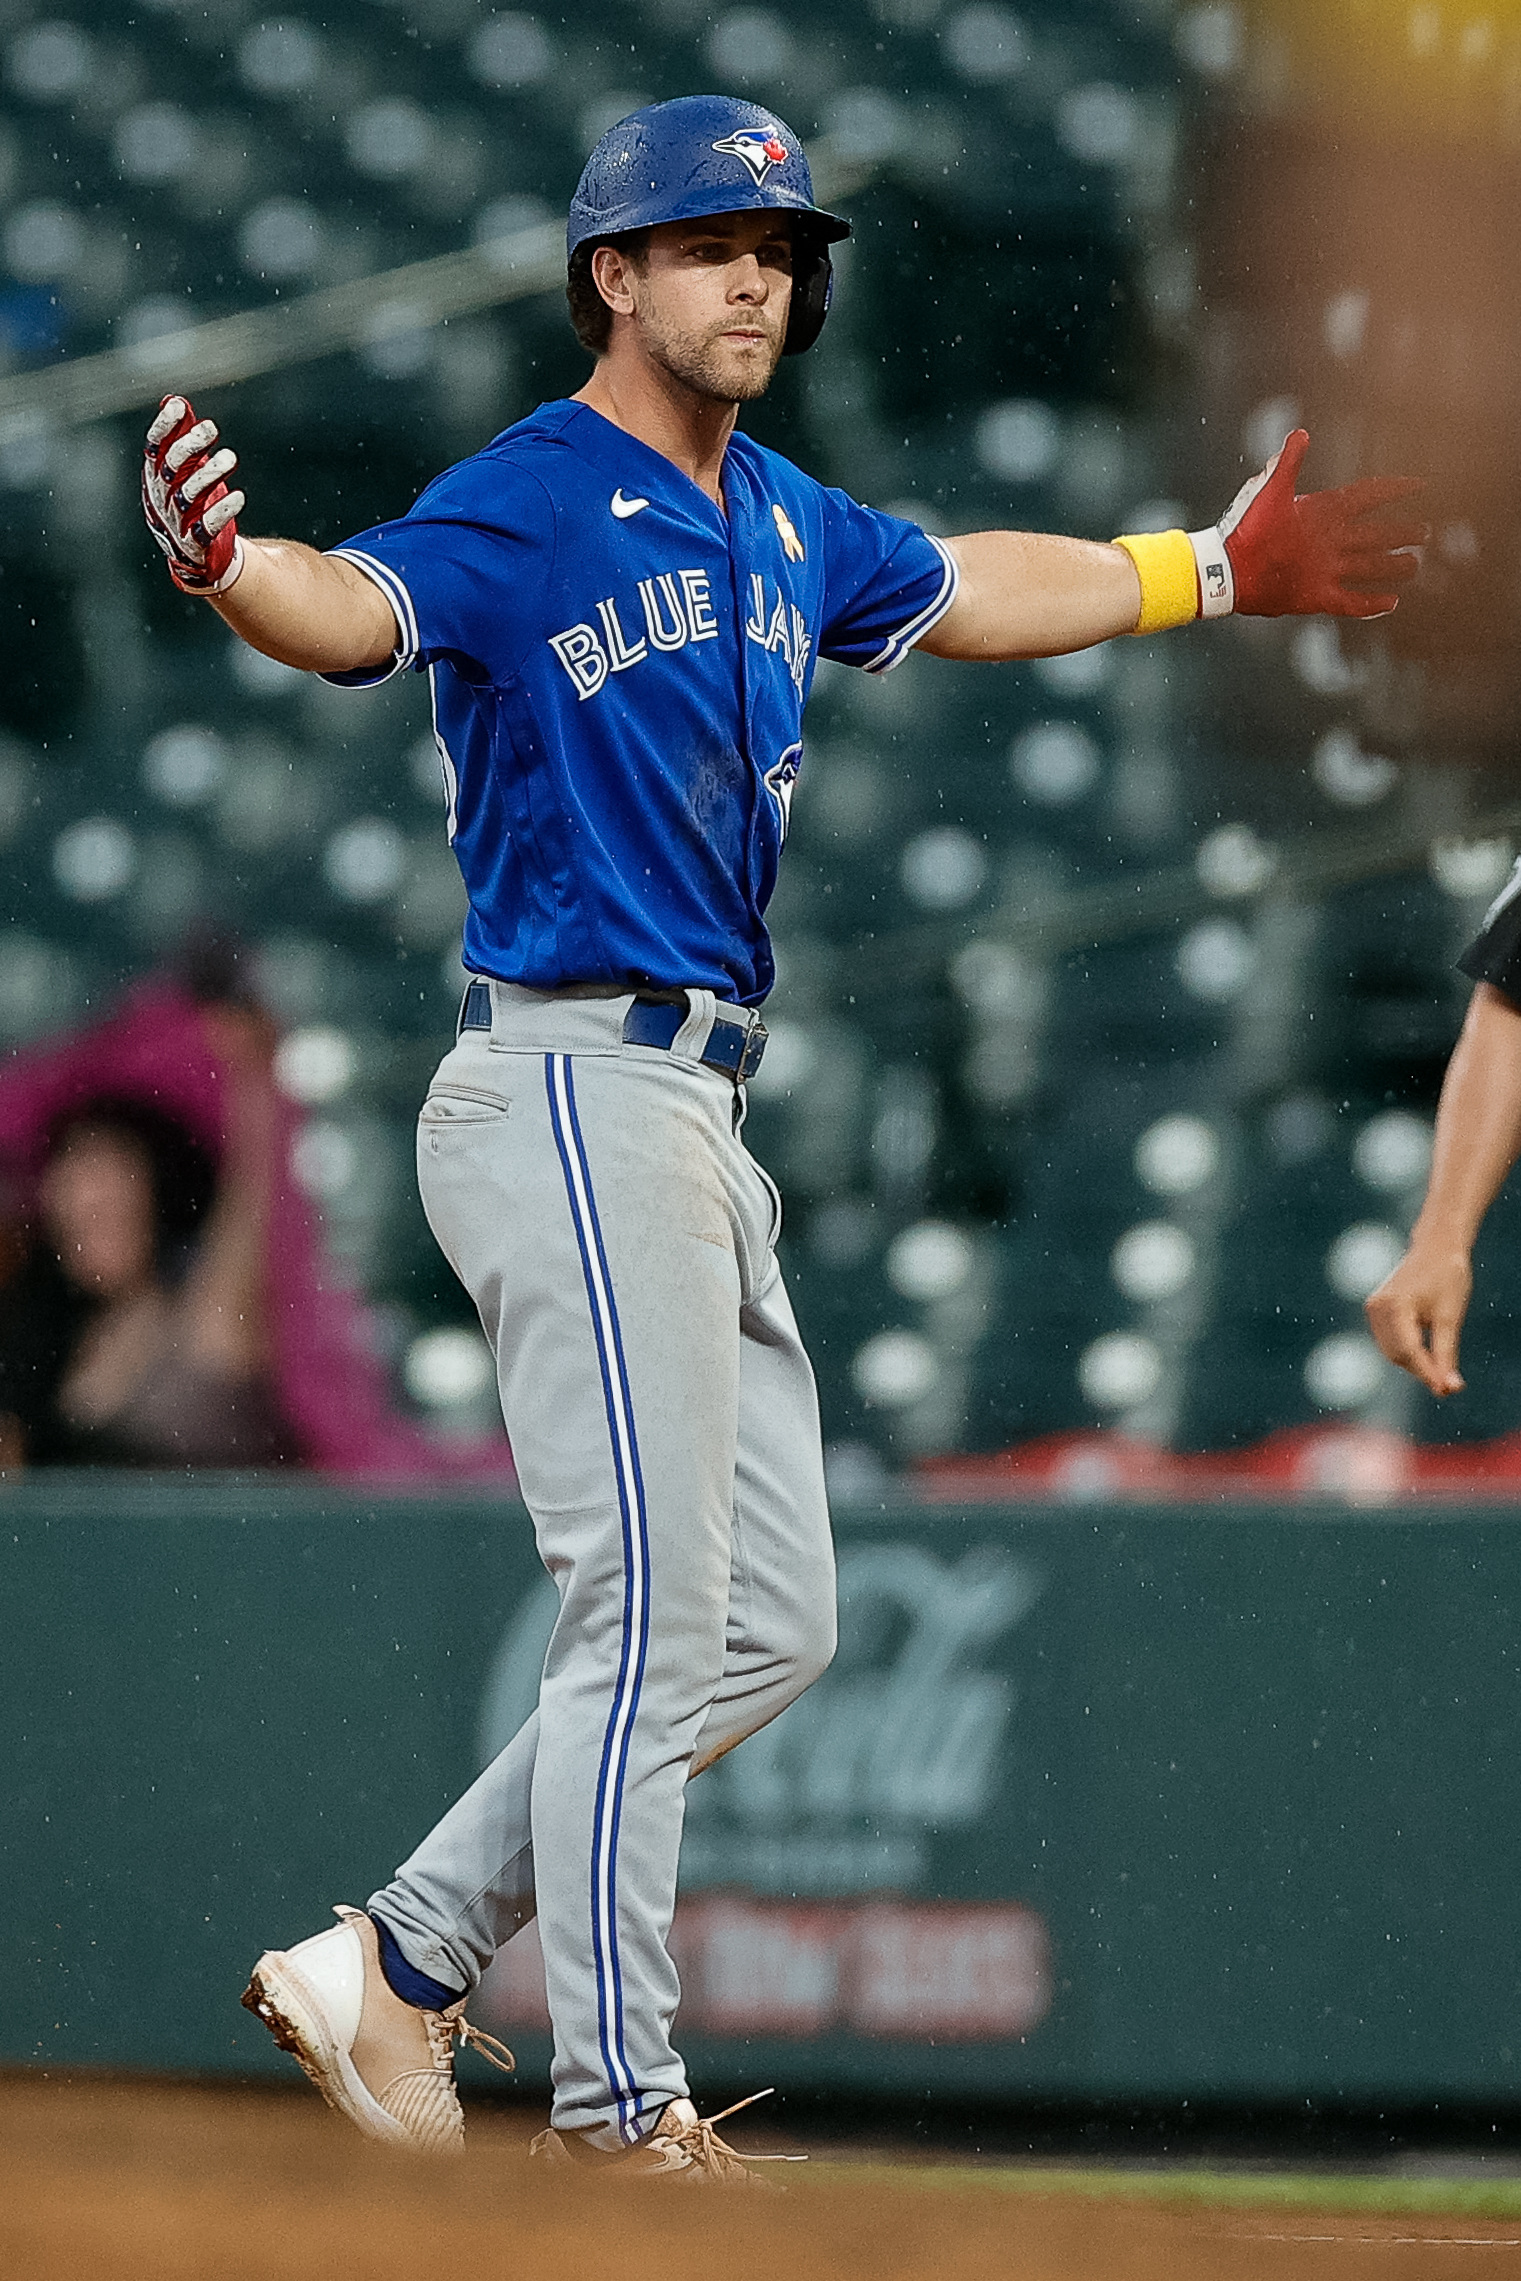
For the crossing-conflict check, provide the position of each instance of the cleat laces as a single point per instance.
(700, 2143)
(443, 2027)
(489, 2046)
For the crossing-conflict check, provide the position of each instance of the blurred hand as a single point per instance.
(186, 502)
(243, 1037)
(1303, 557)
(1417, 1314)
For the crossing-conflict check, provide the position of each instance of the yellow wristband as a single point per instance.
(1169, 576)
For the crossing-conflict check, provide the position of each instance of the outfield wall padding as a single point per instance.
(1096, 1803)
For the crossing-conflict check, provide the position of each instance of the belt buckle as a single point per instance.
(755, 1046)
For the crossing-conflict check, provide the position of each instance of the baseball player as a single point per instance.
(1417, 1313)
(620, 603)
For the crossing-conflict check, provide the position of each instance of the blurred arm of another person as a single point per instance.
(224, 1310)
(1417, 1313)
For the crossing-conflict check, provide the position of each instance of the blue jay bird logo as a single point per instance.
(756, 151)
(780, 780)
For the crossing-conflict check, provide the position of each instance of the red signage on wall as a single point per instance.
(918, 1971)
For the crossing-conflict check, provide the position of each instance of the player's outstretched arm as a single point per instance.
(1417, 1313)
(1273, 554)
(1030, 594)
(306, 609)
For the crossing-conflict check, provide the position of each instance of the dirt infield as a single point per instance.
(179, 2184)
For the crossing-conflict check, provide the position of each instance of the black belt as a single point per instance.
(735, 1043)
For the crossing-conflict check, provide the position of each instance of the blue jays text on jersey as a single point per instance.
(619, 670)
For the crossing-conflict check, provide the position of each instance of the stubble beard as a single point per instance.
(712, 368)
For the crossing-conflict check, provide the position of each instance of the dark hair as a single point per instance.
(182, 1172)
(591, 318)
(213, 964)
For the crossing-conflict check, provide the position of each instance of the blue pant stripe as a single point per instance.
(636, 1605)
(630, 1487)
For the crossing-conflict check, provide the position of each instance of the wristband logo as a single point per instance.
(1216, 583)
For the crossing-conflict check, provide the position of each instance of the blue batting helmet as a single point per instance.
(709, 154)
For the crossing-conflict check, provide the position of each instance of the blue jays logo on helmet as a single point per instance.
(759, 152)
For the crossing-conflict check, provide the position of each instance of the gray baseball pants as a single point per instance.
(599, 1205)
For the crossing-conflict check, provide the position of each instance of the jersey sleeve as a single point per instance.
(886, 582)
(448, 568)
(1495, 954)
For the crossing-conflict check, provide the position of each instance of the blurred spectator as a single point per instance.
(165, 1295)
(136, 1331)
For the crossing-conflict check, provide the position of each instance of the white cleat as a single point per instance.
(383, 2063)
(683, 2149)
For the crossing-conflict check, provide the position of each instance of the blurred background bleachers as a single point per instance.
(1114, 991)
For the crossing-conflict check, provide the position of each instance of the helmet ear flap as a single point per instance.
(812, 292)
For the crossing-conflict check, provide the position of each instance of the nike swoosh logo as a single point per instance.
(623, 508)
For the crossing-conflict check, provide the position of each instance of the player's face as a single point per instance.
(710, 301)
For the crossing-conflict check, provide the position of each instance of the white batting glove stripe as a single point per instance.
(220, 463)
(186, 503)
(170, 414)
(223, 512)
(1217, 585)
(195, 440)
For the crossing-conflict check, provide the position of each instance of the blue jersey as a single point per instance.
(619, 672)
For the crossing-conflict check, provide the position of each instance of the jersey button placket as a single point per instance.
(748, 552)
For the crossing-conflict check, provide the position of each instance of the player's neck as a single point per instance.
(641, 397)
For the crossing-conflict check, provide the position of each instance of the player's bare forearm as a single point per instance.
(307, 609)
(1032, 594)
(1417, 1314)
(1478, 1128)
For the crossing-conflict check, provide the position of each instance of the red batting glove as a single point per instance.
(1300, 557)
(188, 507)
